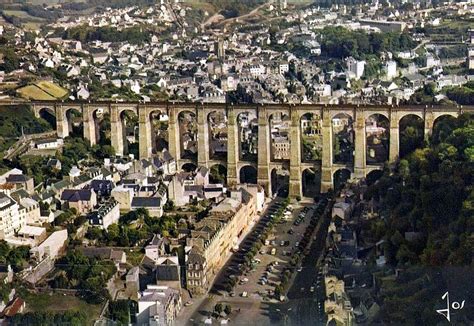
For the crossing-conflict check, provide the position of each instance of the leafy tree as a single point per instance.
(430, 193)
(94, 233)
(462, 95)
(113, 232)
(87, 275)
(339, 42)
(103, 151)
(219, 308)
(73, 318)
(119, 311)
(411, 134)
(169, 206)
(14, 256)
(11, 61)
(134, 35)
(278, 291)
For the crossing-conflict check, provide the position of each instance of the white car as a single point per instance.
(311, 289)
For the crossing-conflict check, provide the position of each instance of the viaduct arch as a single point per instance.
(233, 161)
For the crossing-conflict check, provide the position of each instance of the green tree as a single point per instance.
(113, 232)
(119, 311)
(11, 61)
(218, 308)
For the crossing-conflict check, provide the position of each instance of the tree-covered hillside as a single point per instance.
(428, 225)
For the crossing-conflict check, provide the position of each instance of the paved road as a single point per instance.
(305, 307)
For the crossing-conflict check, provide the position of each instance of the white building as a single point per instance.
(31, 211)
(283, 67)
(49, 143)
(431, 61)
(158, 306)
(407, 55)
(257, 70)
(51, 247)
(470, 57)
(10, 218)
(323, 90)
(258, 194)
(135, 87)
(83, 93)
(108, 213)
(391, 69)
(281, 147)
(123, 196)
(355, 68)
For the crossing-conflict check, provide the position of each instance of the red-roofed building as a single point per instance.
(16, 307)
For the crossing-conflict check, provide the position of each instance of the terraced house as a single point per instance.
(214, 237)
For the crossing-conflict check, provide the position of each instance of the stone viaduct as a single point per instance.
(264, 165)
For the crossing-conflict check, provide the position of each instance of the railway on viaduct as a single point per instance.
(358, 167)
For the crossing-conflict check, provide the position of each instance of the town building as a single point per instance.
(470, 57)
(50, 143)
(51, 247)
(83, 200)
(10, 218)
(355, 68)
(214, 236)
(337, 305)
(158, 306)
(390, 69)
(107, 213)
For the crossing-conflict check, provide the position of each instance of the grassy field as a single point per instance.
(34, 93)
(52, 89)
(134, 257)
(42, 90)
(21, 14)
(27, 21)
(32, 26)
(59, 302)
(17, 13)
(201, 5)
